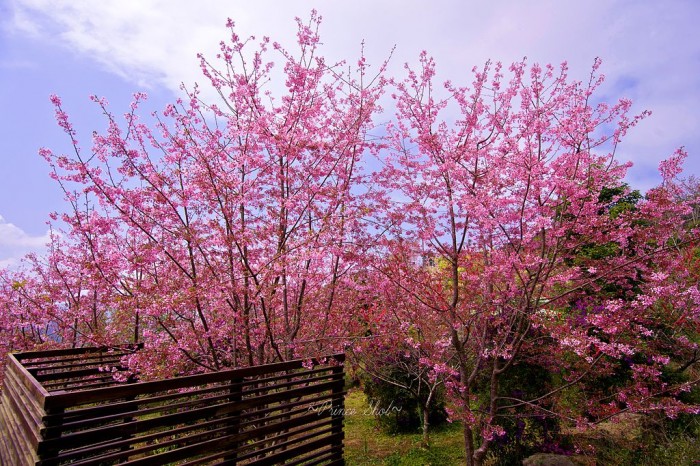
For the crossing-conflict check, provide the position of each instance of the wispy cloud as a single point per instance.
(15, 243)
(651, 50)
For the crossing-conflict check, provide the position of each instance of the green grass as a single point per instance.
(367, 444)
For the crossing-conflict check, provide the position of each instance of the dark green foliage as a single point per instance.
(399, 409)
(385, 396)
(618, 200)
(527, 430)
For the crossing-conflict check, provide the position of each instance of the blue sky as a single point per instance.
(112, 48)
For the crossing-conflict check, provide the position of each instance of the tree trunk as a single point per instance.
(426, 427)
(469, 445)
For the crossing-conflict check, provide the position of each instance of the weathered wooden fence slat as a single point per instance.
(63, 408)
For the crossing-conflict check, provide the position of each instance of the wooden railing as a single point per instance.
(61, 407)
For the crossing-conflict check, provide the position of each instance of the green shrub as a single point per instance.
(399, 410)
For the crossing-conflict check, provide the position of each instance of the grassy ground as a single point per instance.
(366, 444)
(618, 444)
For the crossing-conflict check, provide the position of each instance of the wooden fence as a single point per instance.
(62, 407)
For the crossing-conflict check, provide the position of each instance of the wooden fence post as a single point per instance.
(338, 413)
(52, 431)
(235, 397)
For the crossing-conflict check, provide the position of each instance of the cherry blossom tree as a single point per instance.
(500, 185)
(228, 233)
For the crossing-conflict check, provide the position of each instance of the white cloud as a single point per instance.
(653, 45)
(15, 243)
(158, 40)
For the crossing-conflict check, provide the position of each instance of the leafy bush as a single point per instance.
(398, 409)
